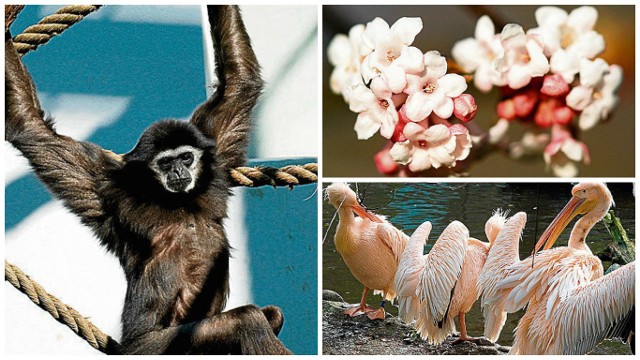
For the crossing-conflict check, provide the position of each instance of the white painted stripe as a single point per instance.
(81, 115)
(240, 262)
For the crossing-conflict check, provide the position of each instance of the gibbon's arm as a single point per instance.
(72, 170)
(226, 116)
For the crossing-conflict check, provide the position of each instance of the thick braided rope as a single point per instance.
(50, 26)
(61, 312)
(285, 176)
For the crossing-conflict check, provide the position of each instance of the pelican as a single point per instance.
(435, 288)
(503, 253)
(571, 305)
(369, 245)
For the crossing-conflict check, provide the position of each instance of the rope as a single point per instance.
(266, 175)
(61, 312)
(50, 26)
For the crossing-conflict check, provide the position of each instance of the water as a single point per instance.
(408, 205)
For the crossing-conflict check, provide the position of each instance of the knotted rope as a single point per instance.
(285, 176)
(60, 311)
(50, 26)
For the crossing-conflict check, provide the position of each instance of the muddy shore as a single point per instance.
(342, 335)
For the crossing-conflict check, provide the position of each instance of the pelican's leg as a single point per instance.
(377, 314)
(362, 308)
(463, 330)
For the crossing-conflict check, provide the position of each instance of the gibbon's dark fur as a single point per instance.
(172, 246)
(165, 135)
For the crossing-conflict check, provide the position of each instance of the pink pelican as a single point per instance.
(571, 305)
(435, 288)
(369, 245)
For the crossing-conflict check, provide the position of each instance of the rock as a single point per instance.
(483, 342)
(486, 350)
(331, 295)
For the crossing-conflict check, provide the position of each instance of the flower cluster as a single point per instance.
(549, 77)
(402, 93)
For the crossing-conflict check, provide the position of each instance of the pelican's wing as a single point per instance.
(393, 238)
(467, 292)
(555, 272)
(593, 311)
(441, 272)
(410, 267)
(495, 223)
(502, 254)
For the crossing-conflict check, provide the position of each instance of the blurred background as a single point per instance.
(105, 80)
(407, 206)
(611, 144)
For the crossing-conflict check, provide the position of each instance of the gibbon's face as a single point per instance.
(177, 169)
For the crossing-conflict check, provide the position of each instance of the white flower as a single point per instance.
(476, 55)
(564, 152)
(498, 131)
(434, 90)
(390, 51)
(596, 96)
(463, 141)
(436, 146)
(374, 113)
(523, 57)
(401, 152)
(393, 77)
(530, 144)
(605, 99)
(568, 38)
(344, 54)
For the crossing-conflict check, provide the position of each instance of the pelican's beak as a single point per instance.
(363, 213)
(574, 207)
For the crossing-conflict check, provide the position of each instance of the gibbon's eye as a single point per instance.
(186, 158)
(164, 163)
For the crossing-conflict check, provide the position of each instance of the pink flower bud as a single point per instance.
(554, 85)
(464, 107)
(553, 111)
(544, 114)
(506, 110)
(524, 103)
(563, 115)
(398, 135)
(384, 162)
(458, 129)
(403, 120)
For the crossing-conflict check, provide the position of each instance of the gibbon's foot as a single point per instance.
(275, 318)
(358, 310)
(376, 314)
